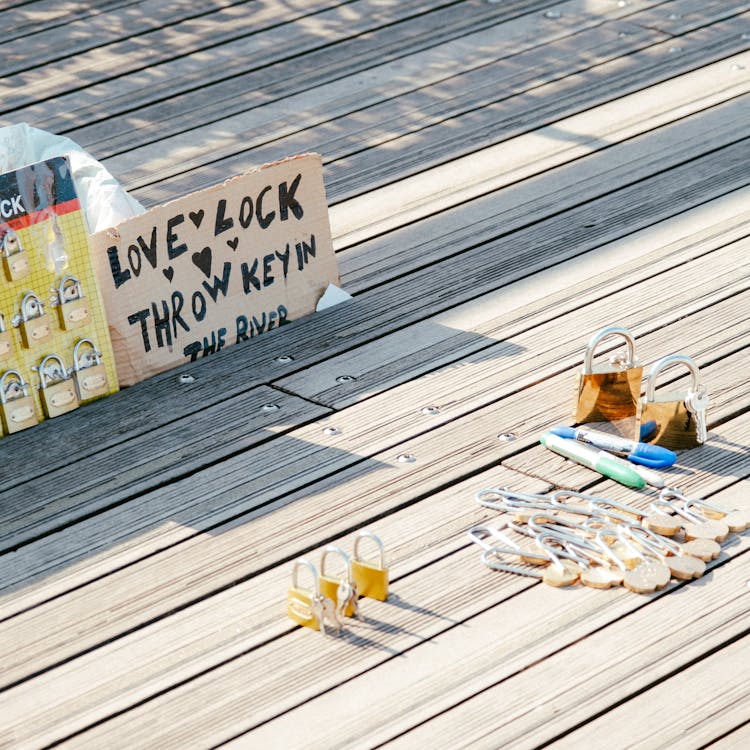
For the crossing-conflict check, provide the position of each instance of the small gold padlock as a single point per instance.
(35, 323)
(307, 606)
(371, 580)
(680, 417)
(15, 259)
(56, 387)
(16, 403)
(6, 341)
(89, 374)
(72, 307)
(341, 590)
(611, 392)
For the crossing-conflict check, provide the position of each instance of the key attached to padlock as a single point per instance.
(611, 392)
(6, 341)
(307, 606)
(34, 322)
(17, 409)
(89, 374)
(56, 387)
(342, 589)
(371, 579)
(15, 260)
(72, 307)
(680, 416)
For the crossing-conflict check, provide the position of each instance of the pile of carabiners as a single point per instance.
(569, 537)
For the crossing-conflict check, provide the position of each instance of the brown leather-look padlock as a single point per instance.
(611, 392)
(17, 409)
(89, 374)
(72, 307)
(35, 323)
(15, 260)
(56, 387)
(6, 341)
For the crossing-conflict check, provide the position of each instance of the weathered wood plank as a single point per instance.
(273, 679)
(387, 420)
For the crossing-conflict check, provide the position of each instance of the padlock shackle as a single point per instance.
(597, 338)
(364, 534)
(303, 562)
(69, 281)
(663, 364)
(77, 354)
(43, 365)
(28, 297)
(21, 382)
(332, 548)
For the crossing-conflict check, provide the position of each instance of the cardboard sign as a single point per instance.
(217, 267)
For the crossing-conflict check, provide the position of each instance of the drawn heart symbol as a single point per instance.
(203, 260)
(168, 272)
(196, 217)
(233, 243)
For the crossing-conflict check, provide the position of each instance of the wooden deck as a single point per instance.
(505, 178)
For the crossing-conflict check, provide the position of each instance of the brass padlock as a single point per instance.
(56, 387)
(611, 392)
(35, 323)
(16, 403)
(371, 580)
(680, 416)
(72, 307)
(89, 374)
(340, 590)
(6, 341)
(15, 259)
(307, 606)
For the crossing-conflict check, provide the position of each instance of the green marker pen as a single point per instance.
(598, 460)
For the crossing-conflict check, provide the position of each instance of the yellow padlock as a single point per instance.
(370, 579)
(72, 307)
(307, 606)
(611, 392)
(6, 341)
(15, 259)
(89, 374)
(341, 590)
(35, 323)
(16, 403)
(56, 387)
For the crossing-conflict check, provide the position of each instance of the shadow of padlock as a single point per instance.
(6, 341)
(89, 374)
(371, 580)
(15, 260)
(72, 307)
(17, 409)
(680, 417)
(307, 606)
(35, 323)
(341, 590)
(56, 387)
(611, 392)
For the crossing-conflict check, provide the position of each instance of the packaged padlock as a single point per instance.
(307, 606)
(15, 260)
(35, 323)
(341, 589)
(89, 374)
(370, 578)
(610, 392)
(56, 387)
(72, 307)
(680, 416)
(6, 341)
(17, 409)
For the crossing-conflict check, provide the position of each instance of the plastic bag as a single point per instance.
(105, 202)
